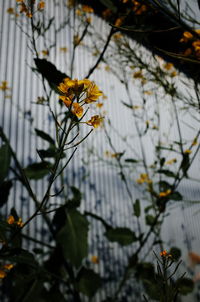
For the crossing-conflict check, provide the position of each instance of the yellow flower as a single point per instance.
(45, 52)
(19, 223)
(171, 161)
(66, 100)
(138, 7)
(63, 49)
(164, 194)
(163, 253)
(88, 20)
(95, 259)
(144, 178)
(168, 66)
(93, 93)
(95, 121)
(2, 274)
(41, 5)
(107, 68)
(135, 107)
(117, 36)
(186, 37)
(148, 92)
(119, 22)
(8, 266)
(11, 219)
(4, 86)
(87, 9)
(106, 13)
(99, 105)
(138, 75)
(77, 110)
(173, 74)
(188, 151)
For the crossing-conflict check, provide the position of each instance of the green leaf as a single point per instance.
(123, 236)
(176, 196)
(38, 170)
(45, 136)
(136, 208)
(109, 4)
(167, 173)
(185, 285)
(73, 237)
(131, 160)
(5, 159)
(150, 220)
(88, 282)
(4, 192)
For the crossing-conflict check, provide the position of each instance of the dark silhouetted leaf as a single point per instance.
(185, 285)
(73, 237)
(131, 160)
(50, 72)
(167, 173)
(5, 158)
(45, 136)
(150, 220)
(176, 196)
(136, 208)
(123, 236)
(109, 4)
(4, 192)
(88, 282)
(38, 170)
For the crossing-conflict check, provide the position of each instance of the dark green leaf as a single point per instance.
(88, 282)
(4, 192)
(45, 136)
(73, 237)
(123, 236)
(150, 220)
(167, 173)
(185, 285)
(109, 4)
(38, 170)
(175, 252)
(176, 196)
(185, 163)
(131, 160)
(50, 72)
(136, 208)
(5, 158)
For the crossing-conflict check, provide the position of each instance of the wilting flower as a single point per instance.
(95, 121)
(165, 254)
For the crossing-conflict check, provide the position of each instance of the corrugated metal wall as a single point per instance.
(104, 192)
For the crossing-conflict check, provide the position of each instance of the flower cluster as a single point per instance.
(11, 220)
(24, 8)
(194, 48)
(76, 93)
